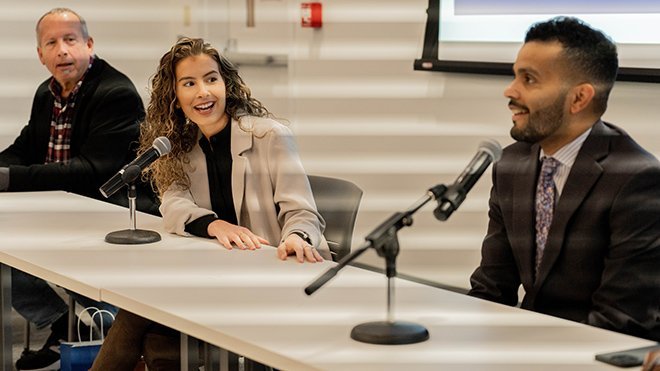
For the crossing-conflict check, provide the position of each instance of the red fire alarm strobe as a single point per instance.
(311, 15)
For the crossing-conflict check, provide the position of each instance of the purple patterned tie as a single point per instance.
(545, 204)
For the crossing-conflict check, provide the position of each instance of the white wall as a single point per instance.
(350, 94)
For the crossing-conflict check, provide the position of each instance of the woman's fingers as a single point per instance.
(244, 240)
(224, 241)
(311, 254)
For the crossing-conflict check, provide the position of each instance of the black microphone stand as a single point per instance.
(132, 236)
(385, 240)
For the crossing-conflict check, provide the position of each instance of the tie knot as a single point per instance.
(549, 166)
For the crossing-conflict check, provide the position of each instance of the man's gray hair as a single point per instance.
(83, 23)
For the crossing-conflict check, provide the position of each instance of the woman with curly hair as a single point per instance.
(233, 174)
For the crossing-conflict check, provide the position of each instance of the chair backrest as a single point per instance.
(337, 201)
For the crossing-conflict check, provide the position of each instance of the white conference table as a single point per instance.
(250, 303)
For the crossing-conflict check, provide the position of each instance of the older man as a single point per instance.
(83, 121)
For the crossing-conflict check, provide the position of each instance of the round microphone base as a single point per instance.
(132, 237)
(390, 333)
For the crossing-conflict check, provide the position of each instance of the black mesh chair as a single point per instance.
(337, 201)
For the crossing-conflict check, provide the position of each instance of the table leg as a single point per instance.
(212, 358)
(224, 359)
(5, 318)
(189, 353)
(72, 334)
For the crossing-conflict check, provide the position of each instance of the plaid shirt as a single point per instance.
(59, 144)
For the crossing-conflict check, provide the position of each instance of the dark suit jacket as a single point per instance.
(601, 264)
(105, 131)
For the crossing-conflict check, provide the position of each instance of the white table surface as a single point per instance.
(251, 303)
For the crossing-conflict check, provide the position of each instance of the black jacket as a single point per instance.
(104, 135)
(600, 264)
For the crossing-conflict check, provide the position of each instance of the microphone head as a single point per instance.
(492, 147)
(162, 145)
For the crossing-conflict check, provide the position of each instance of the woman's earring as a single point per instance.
(188, 122)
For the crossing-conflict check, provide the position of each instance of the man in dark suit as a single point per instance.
(575, 203)
(83, 121)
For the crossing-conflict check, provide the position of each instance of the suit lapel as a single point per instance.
(585, 172)
(524, 184)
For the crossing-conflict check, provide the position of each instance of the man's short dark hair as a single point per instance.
(588, 52)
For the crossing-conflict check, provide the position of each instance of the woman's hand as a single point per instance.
(227, 233)
(293, 244)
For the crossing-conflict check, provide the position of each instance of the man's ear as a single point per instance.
(41, 56)
(581, 97)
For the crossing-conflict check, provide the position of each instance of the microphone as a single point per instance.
(128, 174)
(488, 152)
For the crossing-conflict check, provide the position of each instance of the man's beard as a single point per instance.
(541, 123)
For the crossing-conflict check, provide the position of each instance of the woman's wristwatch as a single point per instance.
(303, 235)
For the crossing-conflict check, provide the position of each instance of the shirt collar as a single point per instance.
(56, 88)
(567, 154)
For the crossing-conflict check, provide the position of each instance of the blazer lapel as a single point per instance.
(241, 141)
(585, 172)
(524, 184)
(199, 176)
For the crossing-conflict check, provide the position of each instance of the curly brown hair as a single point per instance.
(164, 118)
